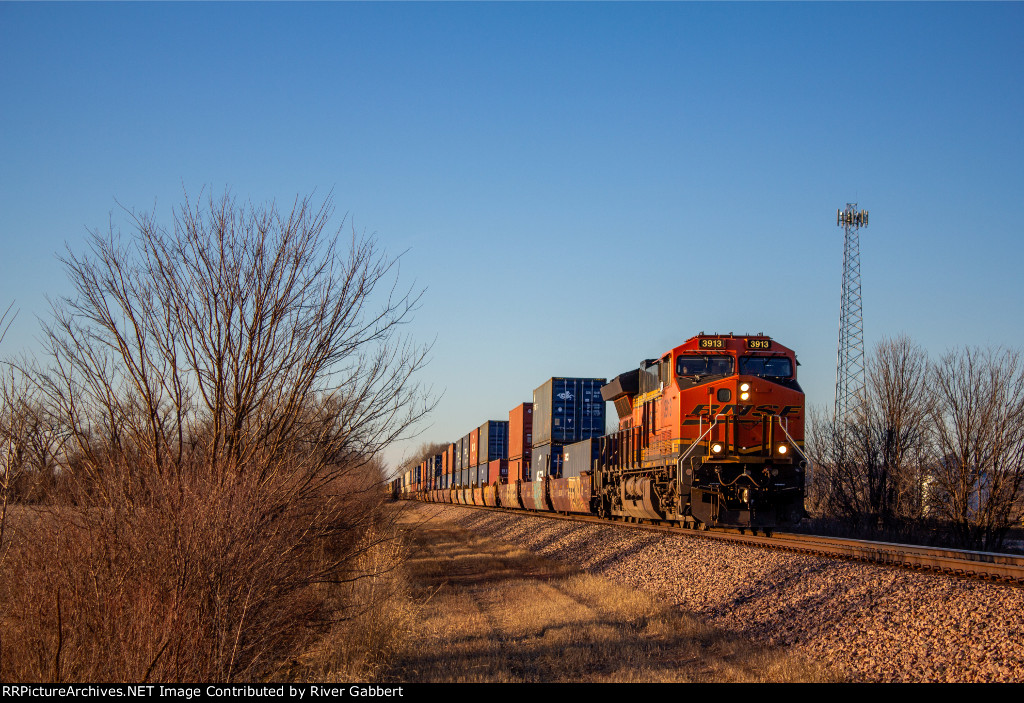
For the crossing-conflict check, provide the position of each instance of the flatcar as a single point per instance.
(710, 434)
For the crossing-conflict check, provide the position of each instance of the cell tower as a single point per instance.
(850, 369)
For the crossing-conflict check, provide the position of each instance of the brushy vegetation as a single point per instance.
(200, 450)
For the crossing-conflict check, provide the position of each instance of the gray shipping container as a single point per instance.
(567, 410)
(546, 461)
(579, 457)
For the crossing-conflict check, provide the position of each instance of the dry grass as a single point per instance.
(491, 612)
(374, 614)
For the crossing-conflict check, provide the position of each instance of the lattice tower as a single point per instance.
(850, 368)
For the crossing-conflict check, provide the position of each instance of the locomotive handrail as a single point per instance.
(697, 441)
(790, 438)
(679, 462)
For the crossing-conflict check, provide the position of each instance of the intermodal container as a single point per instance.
(493, 441)
(567, 410)
(436, 470)
(474, 447)
(520, 431)
(519, 469)
(579, 457)
(497, 471)
(546, 461)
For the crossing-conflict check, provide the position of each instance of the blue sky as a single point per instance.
(578, 186)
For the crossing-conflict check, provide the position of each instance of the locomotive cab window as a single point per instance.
(766, 366)
(694, 365)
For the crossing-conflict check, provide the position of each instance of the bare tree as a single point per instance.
(227, 334)
(978, 420)
(892, 431)
(870, 471)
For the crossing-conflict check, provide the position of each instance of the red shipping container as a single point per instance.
(520, 431)
(497, 471)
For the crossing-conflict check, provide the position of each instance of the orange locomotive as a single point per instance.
(709, 434)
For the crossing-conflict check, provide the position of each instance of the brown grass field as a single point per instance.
(491, 612)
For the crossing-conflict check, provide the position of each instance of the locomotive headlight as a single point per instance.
(744, 396)
(744, 387)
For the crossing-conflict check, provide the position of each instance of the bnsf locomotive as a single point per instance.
(710, 434)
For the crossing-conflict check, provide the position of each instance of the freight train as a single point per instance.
(710, 434)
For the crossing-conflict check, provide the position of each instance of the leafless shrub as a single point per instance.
(225, 386)
(977, 416)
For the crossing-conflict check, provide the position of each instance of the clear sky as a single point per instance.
(579, 186)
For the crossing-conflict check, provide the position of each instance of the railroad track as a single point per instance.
(988, 566)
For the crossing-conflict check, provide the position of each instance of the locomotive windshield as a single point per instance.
(705, 365)
(766, 366)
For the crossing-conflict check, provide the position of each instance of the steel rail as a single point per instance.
(1006, 568)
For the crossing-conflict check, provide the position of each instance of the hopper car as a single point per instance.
(710, 434)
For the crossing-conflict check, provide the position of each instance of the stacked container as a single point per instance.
(493, 441)
(579, 457)
(565, 411)
(497, 472)
(474, 447)
(520, 442)
(435, 471)
(546, 460)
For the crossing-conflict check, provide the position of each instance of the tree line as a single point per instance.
(934, 446)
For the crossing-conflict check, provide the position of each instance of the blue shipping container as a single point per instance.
(493, 440)
(567, 410)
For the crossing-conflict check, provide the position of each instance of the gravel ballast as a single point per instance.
(866, 622)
